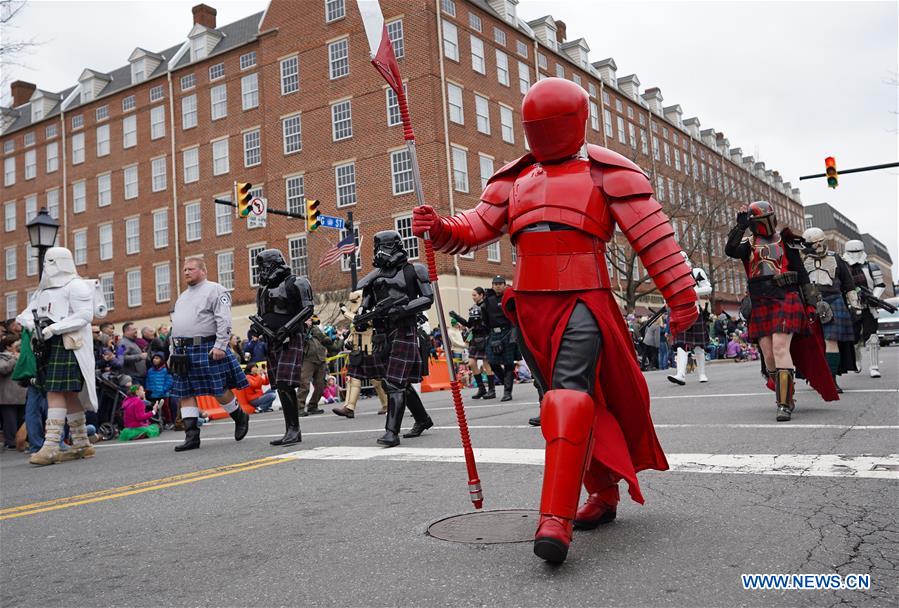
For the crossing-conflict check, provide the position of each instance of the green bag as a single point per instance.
(26, 366)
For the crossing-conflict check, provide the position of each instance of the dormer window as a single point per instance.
(198, 48)
(37, 112)
(143, 63)
(510, 12)
(202, 41)
(87, 92)
(138, 73)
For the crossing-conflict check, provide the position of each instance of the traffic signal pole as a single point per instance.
(349, 230)
(856, 170)
(298, 216)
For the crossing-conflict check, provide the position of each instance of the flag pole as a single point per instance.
(384, 60)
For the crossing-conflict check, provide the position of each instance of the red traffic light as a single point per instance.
(830, 169)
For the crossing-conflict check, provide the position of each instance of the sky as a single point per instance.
(788, 82)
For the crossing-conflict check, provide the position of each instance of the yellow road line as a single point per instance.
(138, 488)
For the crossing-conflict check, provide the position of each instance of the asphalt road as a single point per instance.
(338, 524)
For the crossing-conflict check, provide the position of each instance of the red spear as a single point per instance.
(384, 60)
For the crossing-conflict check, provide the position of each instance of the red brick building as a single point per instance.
(130, 160)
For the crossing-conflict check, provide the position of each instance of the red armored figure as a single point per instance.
(559, 204)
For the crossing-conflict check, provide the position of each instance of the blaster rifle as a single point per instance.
(380, 310)
(39, 345)
(655, 316)
(869, 299)
(256, 323)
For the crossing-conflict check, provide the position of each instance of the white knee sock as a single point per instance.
(190, 412)
(231, 406)
(56, 413)
(75, 417)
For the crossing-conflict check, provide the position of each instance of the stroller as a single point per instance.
(111, 393)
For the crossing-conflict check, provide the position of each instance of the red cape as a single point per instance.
(624, 439)
(807, 350)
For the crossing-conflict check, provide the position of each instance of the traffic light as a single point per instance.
(830, 169)
(243, 199)
(312, 215)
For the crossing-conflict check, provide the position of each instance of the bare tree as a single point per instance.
(12, 47)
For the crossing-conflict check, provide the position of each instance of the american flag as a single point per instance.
(344, 247)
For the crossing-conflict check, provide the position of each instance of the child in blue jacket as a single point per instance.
(158, 386)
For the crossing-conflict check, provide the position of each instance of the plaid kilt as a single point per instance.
(695, 335)
(208, 377)
(285, 363)
(62, 375)
(770, 316)
(399, 362)
(477, 348)
(840, 328)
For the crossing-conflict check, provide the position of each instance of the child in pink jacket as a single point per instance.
(136, 416)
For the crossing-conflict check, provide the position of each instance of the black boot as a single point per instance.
(191, 435)
(508, 381)
(291, 412)
(491, 387)
(479, 380)
(535, 421)
(396, 407)
(241, 423)
(422, 421)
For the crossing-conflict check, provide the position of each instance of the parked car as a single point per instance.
(888, 324)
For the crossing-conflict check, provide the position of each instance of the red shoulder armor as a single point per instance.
(621, 178)
(609, 158)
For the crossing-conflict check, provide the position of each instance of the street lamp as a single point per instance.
(42, 231)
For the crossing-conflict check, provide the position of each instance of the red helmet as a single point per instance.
(762, 220)
(554, 114)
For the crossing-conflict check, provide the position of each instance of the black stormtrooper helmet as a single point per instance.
(272, 267)
(474, 313)
(389, 250)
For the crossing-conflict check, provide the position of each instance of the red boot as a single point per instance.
(598, 509)
(567, 422)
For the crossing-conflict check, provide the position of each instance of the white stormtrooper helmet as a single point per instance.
(814, 237)
(59, 267)
(854, 252)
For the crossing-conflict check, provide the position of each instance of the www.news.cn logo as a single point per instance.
(805, 581)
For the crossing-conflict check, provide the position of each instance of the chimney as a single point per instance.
(561, 31)
(21, 92)
(204, 15)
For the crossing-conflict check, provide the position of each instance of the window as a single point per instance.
(77, 153)
(79, 252)
(224, 218)
(294, 194)
(220, 157)
(486, 166)
(395, 35)
(632, 131)
(130, 175)
(393, 107)
(53, 203)
(605, 98)
(224, 262)
(341, 120)
(448, 7)
(252, 151)
(9, 145)
(560, 70)
(502, 68)
(102, 140)
(189, 112)
(9, 216)
(160, 229)
(460, 169)
(79, 197)
(594, 116)
(403, 225)
(655, 147)
(30, 260)
(345, 260)
(107, 286)
(9, 165)
(339, 59)
(188, 82)
(296, 251)
(247, 60)
(29, 139)
(192, 223)
(50, 131)
(524, 77)
(660, 188)
(78, 121)
(450, 41)
(505, 121)
(104, 190)
(191, 161)
(12, 305)
(254, 269)
(163, 282)
(622, 136)
(521, 48)
(644, 142)
(218, 97)
(607, 122)
(474, 22)
(290, 75)
(493, 252)
(128, 103)
(345, 176)
(401, 172)
(666, 152)
(11, 263)
(105, 231)
(217, 71)
(482, 110)
(249, 88)
(156, 93)
(477, 55)
(541, 60)
(454, 96)
(132, 235)
(31, 163)
(158, 170)
(30, 207)
(52, 157)
(334, 10)
(132, 278)
(101, 113)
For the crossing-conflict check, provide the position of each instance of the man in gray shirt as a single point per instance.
(134, 360)
(201, 362)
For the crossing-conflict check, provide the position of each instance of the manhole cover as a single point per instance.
(487, 527)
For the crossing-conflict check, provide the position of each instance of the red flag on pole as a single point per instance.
(379, 45)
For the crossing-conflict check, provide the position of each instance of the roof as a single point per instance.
(826, 218)
(875, 247)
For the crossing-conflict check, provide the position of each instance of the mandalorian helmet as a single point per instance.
(389, 250)
(762, 221)
(814, 238)
(272, 267)
(854, 252)
(554, 115)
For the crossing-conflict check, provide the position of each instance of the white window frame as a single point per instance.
(105, 238)
(107, 287)
(459, 157)
(9, 216)
(103, 140)
(482, 114)
(31, 164)
(486, 167)
(524, 77)
(298, 255)
(249, 91)
(334, 10)
(132, 285)
(450, 41)
(478, 61)
(295, 193)
(225, 277)
(218, 101)
(188, 112)
(79, 196)
(494, 252)
(221, 158)
(397, 38)
(130, 179)
(104, 189)
(190, 159)
(339, 59)
(290, 74)
(403, 225)
(163, 283)
(193, 227)
(132, 235)
(456, 104)
(52, 152)
(252, 148)
(10, 259)
(159, 173)
(507, 124)
(77, 152)
(252, 252)
(129, 131)
(345, 181)
(224, 218)
(79, 247)
(401, 177)
(341, 120)
(160, 228)
(502, 68)
(157, 122)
